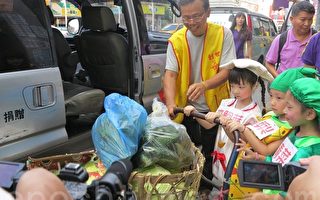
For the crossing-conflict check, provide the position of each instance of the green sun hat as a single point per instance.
(286, 78)
(307, 92)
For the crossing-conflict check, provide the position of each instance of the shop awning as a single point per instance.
(59, 9)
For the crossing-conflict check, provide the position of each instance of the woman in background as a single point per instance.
(242, 36)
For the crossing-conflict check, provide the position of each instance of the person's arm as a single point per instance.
(169, 87)
(251, 138)
(271, 68)
(258, 145)
(189, 109)
(310, 54)
(248, 45)
(218, 79)
(205, 124)
(249, 49)
(272, 56)
(169, 80)
(310, 66)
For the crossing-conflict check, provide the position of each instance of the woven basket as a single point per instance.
(183, 185)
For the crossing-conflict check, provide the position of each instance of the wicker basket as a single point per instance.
(87, 159)
(183, 185)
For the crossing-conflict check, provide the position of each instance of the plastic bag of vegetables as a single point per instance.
(116, 132)
(164, 142)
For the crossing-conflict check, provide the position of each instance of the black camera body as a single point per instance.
(268, 175)
(112, 185)
(10, 172)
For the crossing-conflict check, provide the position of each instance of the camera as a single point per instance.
(10, 173)
(112, 185)
(268, 175)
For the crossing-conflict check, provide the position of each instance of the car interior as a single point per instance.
(103, 51)
(77, 97)
(16, 57)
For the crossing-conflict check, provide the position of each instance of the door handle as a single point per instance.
(43, 96)
(154, 71)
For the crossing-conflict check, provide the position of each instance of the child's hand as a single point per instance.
(248, 154)
(211, 116)
(224, 120)
(188, 110)
(242, 145)
(233, 125)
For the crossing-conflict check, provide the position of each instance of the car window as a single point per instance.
(273, 30)
(169, 27)
(24, 39)
(264, 28)
(72, 8)
(59, 8)
(158, 15)
(256, 26)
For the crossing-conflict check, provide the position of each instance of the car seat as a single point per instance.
(79, 99)
(67, 59)
(104, 53)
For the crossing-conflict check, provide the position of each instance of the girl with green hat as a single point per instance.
(303, 113)
(264, 142)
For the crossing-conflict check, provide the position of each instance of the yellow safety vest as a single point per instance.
(211, 54)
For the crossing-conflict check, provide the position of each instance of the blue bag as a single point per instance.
(116, 132)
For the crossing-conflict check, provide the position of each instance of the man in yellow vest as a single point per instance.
(192, 75)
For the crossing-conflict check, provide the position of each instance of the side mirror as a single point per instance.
(73, 26)
(231, 18)
(175, 8)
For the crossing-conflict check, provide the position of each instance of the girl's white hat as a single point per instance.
(251, 65)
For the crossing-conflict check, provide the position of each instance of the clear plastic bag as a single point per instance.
(116, 132)
(164, 142)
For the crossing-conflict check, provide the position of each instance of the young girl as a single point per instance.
(243, 79)
(242, 36)
(302, 112)
(276, 122)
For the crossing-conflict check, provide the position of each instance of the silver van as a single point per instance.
(262, 27)
(43, 110)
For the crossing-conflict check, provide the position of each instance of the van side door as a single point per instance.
(32, 103)
(262, 37)
(156, 15)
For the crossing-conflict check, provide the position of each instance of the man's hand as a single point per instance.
(306, 185)
(170, 111)
(195, 91)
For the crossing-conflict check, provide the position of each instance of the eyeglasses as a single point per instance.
(195, 18)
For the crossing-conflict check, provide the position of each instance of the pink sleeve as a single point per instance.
(272, 55)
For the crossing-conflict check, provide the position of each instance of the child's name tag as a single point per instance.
(285, 152)
(264, 128)
(232, 113)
